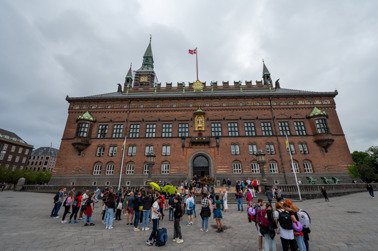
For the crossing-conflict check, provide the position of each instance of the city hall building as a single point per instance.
(200, 128)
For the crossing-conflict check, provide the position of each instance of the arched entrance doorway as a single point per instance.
(201, 166)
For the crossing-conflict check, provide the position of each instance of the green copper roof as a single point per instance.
(129, 74)
(86, 116)
(265, 70)
(148, 52)
(316, 112)
(148, 60)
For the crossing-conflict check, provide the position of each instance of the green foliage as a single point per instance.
(365, 165)
(31, 177)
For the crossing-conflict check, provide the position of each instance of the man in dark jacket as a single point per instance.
(177, 236)
(137, 203)
(269, 194)
(147, 204)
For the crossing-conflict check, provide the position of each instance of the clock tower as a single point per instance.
(145, 75)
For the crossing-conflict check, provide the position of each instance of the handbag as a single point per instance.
(119, 205)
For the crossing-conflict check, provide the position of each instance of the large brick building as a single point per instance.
(200, 128)
(43, 158)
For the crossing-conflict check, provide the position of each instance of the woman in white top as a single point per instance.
(225, 200)
(286, 235)
(189, 209)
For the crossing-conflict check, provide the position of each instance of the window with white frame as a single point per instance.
(13, 148)
(290, 148)
(97, 169)
(149, 148)
(284, 128)
(26, 151)
(294, 166)
(249, 128)
(300, 128)
(255, 167)
(150, 130)
(117, 131)
(321, 126)
(17, 159)
(236, 167)
(20, 150)
(166, 130)
(303, 148)
(270, 149)
(183, 130)
(132, 150)
(9, 158)
(166, 150)
(82, 130)
(102, 131)
(235, 149)
(145, 169)
(233, 129)
(130, 168)
(273, 167)
(2, 155)
(110, 169)
(307, 166)
(112, 151)
(5, 147)
(23, 160)
(100, 151)
(165, 168)
(266, 128)
(252, 149)
(134, 131)
(216, 129)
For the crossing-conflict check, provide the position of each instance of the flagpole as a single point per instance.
(123, 155)
(197, 61)
(292, 168)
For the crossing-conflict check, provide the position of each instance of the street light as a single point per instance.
(260, 155)
(150, 162)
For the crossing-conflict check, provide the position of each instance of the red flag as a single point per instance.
(193, 51)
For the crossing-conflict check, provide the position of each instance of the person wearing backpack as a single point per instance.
(305, 220)
(259, 211)
(189, 207)
(267, 228)
(298, 235)
(177, 214)
(67, 204)
(88, 210)
(76, 206)
(155, 220)
(58, 200)
(285, 226)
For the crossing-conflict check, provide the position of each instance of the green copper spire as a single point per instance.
(148, 59)
(265, 70)
(129, 73)
(86, 116)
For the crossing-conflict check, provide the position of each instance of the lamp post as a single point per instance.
(261, 161)
(150, 163)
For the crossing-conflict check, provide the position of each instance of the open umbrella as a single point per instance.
(155, 186)
(166, 187)
(172, 190)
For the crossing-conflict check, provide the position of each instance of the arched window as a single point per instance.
(236, 167)
(255, 167)
(97, 168)
(145, 169)
(307, 166)
(165, 168)
(273, 167)
(110, 168)
(294, 166)
(130, 168)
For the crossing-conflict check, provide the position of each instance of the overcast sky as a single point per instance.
(50, 49)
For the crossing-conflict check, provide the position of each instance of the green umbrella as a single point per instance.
(172, 190)
(155, 186)
(166, 187)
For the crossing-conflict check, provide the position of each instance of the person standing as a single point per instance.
(221, 199)
(239, 198)
(218, 214)
(269, 232)
(67, 204)
(88, 210)
(229, 184)
(205, 212)
(76, 207)
(279, 194)
(324, 192)
(369, 187)
(147, 204)
(3, 186)
(85, 198)
(58, 203)
(285, 227)
(189, 207)
(225, 196)
(119, 204)
(137, 204)
(269, 195)
(255, 187)
(97, 192)
(155, 220)
(237, 187)
(257, 207)
(171, 207)
(130, 209)
(109, 209)
(177, 214)
(250, 196)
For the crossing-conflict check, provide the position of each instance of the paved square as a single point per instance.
(345, 223)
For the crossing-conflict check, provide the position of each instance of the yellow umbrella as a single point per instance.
(155, 186)
(172, 190)
(166, 187)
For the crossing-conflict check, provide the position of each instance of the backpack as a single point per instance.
(191, 205)
(161, 237)
(56, 197)
(262, 218)
(76, 202)
(251, 218)
(304, 218)
(285, 220)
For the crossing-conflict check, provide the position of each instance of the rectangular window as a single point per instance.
(109, 169)
(165, 169)
(284, 128)
(132, 151)
(291, 148)
(300, 128)
(9, 158)
(266, 128)
(20, 150)
(82, 130)
(112, 151)
(26, 151)
(237, 168)
(255, 167)
(2, 155)
(130, 168)
(17, 159)
(117, 131)
(270, 149)
(134, 131)
(102, 131)
(149, 149)
(13, 148)
(100, 151)
(233, 129)
(303, 148)
(5, 147)
(273, 168)
(166, 150)
(252, 149)
(145, 169)
(166, 130)
(216, 129)
(150, 130)
(235, 150)
(321, 126)
(183, 130)
(249, 128)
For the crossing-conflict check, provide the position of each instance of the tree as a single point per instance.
(365, 165)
